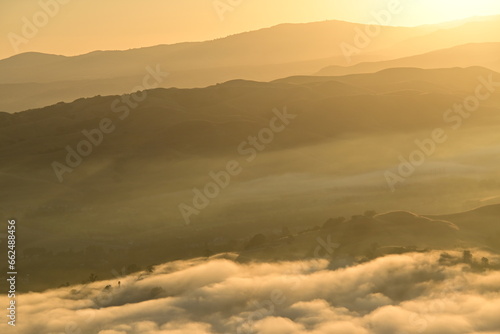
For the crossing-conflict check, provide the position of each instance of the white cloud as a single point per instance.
(408, 293)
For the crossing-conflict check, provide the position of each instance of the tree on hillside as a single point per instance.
(467, 257)
(256, 241)
(333, 222)
(370, 213)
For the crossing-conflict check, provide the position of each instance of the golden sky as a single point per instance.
(81, 26)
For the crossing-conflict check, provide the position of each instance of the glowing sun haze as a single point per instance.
(84, 26)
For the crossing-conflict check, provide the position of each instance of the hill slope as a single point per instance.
(123, 199)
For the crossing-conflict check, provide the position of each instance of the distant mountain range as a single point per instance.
(33, 80)
(481, 54)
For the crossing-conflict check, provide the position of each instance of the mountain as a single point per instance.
(400, 79)
(476, 54)
(34, 80)
(470, 32)
(282, 44)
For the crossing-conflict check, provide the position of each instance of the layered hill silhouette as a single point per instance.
(205, 120)
(476, 54)
(34, 80)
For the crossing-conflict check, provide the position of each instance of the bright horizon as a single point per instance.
(153, 22)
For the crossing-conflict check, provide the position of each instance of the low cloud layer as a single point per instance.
(396, 294)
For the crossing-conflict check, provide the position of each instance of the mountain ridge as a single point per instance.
(433, 59)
